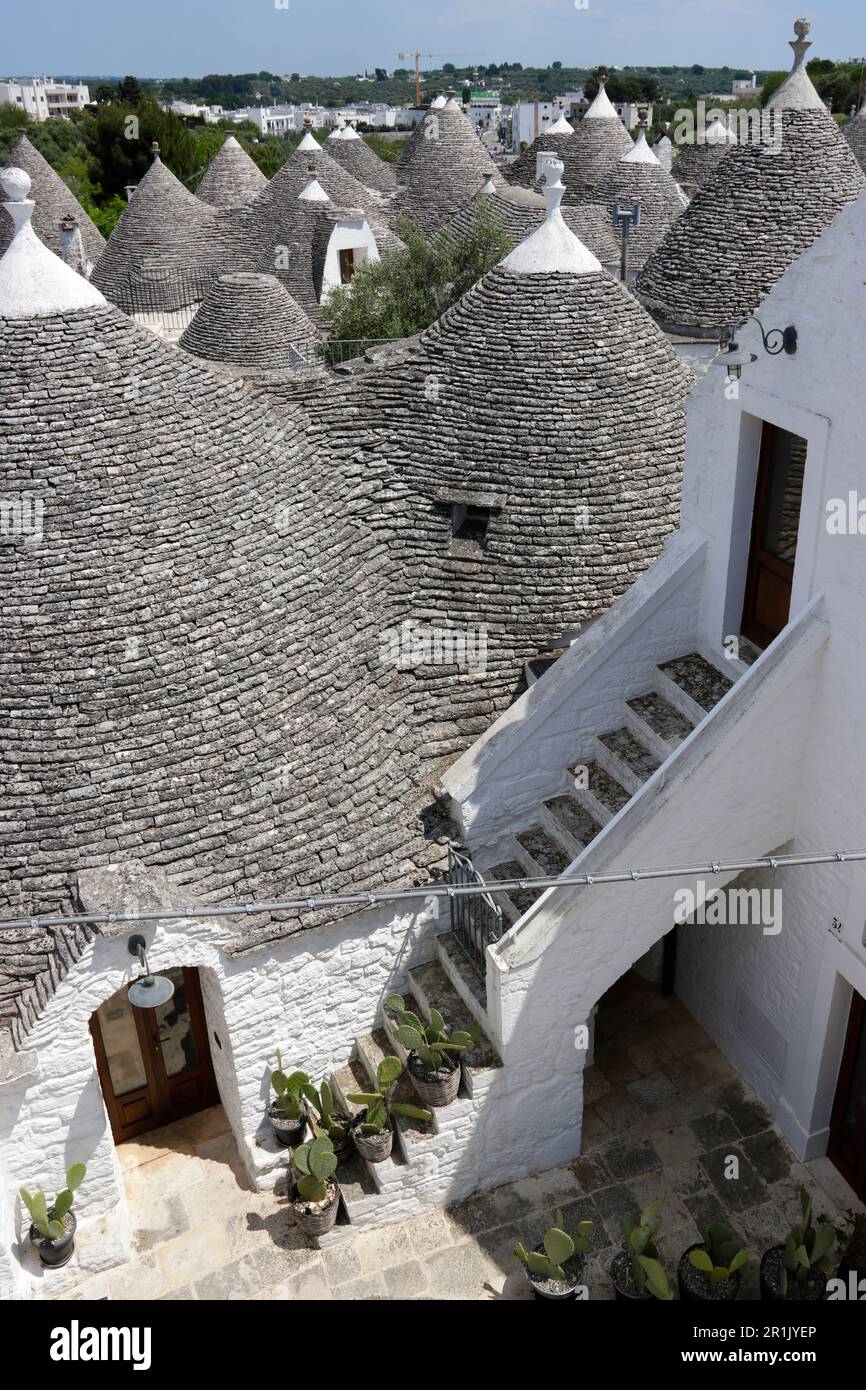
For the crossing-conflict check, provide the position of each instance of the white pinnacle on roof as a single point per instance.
(313, 192)
(489, 186)
(553, 248)
(336, 134)
(560, 126)
(309, 142)
(640, 152)
(34, 283)
(350, 133)
(602, 108)
(797, 92)
(437, 103)
(452, 105)
(717, 133)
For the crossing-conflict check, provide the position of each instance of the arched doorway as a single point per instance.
(154, 1064)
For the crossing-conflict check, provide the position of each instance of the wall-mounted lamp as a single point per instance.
(151, 990)
(734, 358)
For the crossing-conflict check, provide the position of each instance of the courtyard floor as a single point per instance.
(664, 1111)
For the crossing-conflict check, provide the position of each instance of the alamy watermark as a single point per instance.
(730, 907)
(412, 644)
(750, 125)
(21, 518)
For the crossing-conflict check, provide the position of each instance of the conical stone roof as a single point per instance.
(639, 178)
(695, 162)
(165, 229)
(767, 200)
(599, 141)
(355, 155)
(855, 134)
(249, 320)
(53, 200)
(520, 210)
(556, 139)
(547, 397)
(444, 164)
(232, 178)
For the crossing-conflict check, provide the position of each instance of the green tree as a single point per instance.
(129, 91)
(410, 289)
(104, 92)
(772, 83)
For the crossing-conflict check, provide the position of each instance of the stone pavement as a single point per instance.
(664, 1111)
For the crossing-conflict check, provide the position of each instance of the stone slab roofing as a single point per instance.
(443, 165)
(54, 201)
(357, 158)
(695, 162)
(520, 210)
(640, 178)
(249, 320)
(599, 141)
(764, 204)
(232, 178)
(555, 139)
(855, 134)
(168, 229)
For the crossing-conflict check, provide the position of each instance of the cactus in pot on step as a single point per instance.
(316, 1200)
(798, 1269)
(373, 1132)
(52, 1229)
(288, 1112)
(546, 1268)
(637, 1271)
(432, 1064)
(328, 1121)
(718, 1260)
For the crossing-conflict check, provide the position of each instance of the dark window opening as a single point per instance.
(469, 524)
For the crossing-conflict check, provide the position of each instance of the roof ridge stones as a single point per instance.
(54, 201)
(232, 178)
(356, 156)
(855, 135)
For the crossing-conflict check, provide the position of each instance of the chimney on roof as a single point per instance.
(72, 247)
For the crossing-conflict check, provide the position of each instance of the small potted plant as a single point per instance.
(52, 1232)
(315, 1197)
(711, 1269)
(372, 1130)
(433, 1068)
(797, 1270)
(288, 1112)
(637, 1273)
(329, 1121)
(555, 1268)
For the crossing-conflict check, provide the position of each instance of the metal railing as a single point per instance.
(336, 351)
(166, 295)
(476, 921)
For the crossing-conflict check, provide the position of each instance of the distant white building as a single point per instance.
(288, 119)
(745, 86)
(42, 97)
(211, 115)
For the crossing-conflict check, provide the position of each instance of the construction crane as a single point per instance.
(418, 55)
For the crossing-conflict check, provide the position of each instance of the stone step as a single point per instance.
(657, 723)
(354, 1076)
(468, 983)
(433, 989)
(520, 900)
(603, 796)
(411, 1136)
(625, 758)
(692, 685)
(573, 822)
(545, 857)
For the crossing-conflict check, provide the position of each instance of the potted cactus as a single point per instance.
(52, 1232)
(315, 1197)
(432, 1065)
(798, 1270)
(372, 1131)
(328, 1120)
(711, 1269)
(637, 1273)
(555, 1268)
(288, 1112)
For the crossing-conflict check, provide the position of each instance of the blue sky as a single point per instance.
(159, 38)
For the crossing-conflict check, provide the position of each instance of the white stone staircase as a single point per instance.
(685, 690)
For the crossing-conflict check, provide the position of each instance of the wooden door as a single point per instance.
(347, 265)
(847, 1148)
(154, 1064)
(775, 520)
